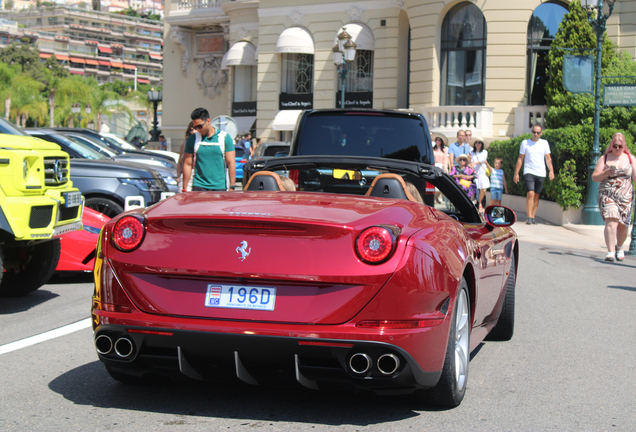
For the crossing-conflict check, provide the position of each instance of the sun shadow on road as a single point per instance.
(91, 385)
(11, 305)
(71, 277)
(626, 288)
(628, 262)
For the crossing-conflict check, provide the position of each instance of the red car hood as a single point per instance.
(302, 244)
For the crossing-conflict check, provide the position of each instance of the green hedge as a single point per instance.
(571, 147)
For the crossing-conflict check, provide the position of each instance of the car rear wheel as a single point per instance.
(451, 388)
(32, 267)
(105, 206)
(505, 327)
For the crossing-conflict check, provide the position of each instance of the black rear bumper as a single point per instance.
(260, 360)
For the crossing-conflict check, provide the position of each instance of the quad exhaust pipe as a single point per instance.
(360, 363)
(123, 347)
(388, 364)
(103, 344)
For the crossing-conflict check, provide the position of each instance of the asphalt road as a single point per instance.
(569, 367)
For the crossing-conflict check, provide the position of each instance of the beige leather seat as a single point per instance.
(264, 181)
(390, 185)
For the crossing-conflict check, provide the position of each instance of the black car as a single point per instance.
(363, 132)
(84, 150)
(106, 184)
(116, 147)
(388, 134)
(271, 149)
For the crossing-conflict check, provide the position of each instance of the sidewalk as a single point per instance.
(589, 237)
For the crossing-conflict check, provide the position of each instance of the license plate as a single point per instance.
(72, 199)
(240, 297)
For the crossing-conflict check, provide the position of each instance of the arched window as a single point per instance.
(542, 29)
(242, 58)
(463, 56)
(296, 46)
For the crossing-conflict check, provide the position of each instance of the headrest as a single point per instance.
(264, 181)
(390, 185)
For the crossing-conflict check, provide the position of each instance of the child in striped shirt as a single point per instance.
(497, 183)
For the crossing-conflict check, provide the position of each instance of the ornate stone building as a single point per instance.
(477, 64)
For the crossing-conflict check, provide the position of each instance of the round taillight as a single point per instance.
(128, 233)
(375, 244)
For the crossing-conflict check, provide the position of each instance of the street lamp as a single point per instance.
(591, 214)
(77, 109)
(154, 96)
(343, 54)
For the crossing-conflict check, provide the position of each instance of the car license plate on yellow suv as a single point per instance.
(72, 199)
(240, 297)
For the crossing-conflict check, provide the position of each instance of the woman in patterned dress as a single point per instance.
(615, 170)
(464, 176)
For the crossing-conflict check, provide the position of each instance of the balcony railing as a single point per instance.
(200, 4)
(528, 116)
(450, 119)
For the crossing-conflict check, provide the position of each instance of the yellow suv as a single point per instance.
(38, 203)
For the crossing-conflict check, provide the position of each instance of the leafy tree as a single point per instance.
(8, 4)
(25, 55)
(96, 4)
(566, 109)
(56, 69)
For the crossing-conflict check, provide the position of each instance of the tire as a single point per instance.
(451, 388)
(505, 327)
(105, 206)
(36, 265)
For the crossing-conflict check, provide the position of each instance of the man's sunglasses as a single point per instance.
(536, 133)
(198, 127)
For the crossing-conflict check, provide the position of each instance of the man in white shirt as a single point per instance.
(532, 154)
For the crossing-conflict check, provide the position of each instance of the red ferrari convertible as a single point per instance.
(343, 278)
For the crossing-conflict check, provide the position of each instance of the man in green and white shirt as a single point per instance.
(213, 153)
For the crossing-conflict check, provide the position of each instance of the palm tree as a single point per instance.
(26, 100)
(7, 74)
(105, 102)
(65, 91)
(58, 86)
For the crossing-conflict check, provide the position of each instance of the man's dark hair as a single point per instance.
(200, 114)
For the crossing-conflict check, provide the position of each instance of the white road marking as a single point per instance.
(43, 337)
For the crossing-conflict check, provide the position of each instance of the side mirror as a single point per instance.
(499, 216)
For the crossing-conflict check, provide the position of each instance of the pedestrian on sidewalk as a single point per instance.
(616, 171)
(213, 154)
(458, 148)
(440, 153)
(534, 155)
(479, 159)
(190, 130)
(464, 176)
(497, 183)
